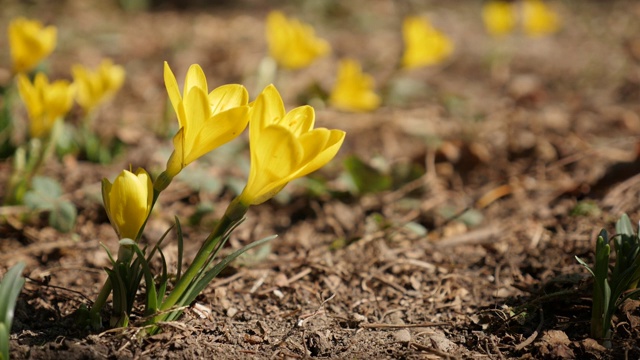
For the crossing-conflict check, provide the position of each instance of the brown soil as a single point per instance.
(525, 148)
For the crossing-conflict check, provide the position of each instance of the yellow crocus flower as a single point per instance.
(293, 44)
(499, 17)
(424, 45)
(284, 146)
(207, 120)
(29, 43)
(128, 202)
(353, 90)
(45, 102)
(538, 19)
(97, 86)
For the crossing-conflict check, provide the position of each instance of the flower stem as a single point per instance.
(234, 213)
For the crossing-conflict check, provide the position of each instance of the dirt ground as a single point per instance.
(506, 161)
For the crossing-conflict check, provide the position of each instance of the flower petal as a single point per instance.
(197, 111)
(312, 141)
(173, 90)
(218, 130)
(195, 78)
(299, 120)
(228, 96)
(277, 157)
(175, 164)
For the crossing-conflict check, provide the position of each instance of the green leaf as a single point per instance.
(4, 342)
(209, 275)
(63, 216)
(180, 248)
(365, 178)
(164, 278)
(44, 193)
(120, 317)
(152, 294)
(624, 226)
(9, 290)
(113, 262)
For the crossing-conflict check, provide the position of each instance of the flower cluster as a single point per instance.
(537, 19)
(283, 146)
(30, 42)
(294, 45)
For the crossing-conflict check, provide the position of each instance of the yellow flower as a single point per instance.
(284, 146)
(207, 120)
(538, 19)
(45, 102)
(29, 43)
(128, 202)
(424, 45)
(292, 43)
(353, 90)
(499, 17)
(97, 86)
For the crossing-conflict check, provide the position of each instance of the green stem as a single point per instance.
(235, 212)
(94, 313)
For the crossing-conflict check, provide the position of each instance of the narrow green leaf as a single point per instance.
(180, 248)
(10, 288)
(119, 297)
(586, 266)
(152, 294)
(113, 262)
(164, 278)
(213, 272)
(4, 342)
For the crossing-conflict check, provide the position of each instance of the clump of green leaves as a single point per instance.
(612, 286)
(10, 288)
(46, 195)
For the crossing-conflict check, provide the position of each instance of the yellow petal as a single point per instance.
(277, 156)
(226, 97)
(353, 90)
(129, 202)
(320, 146)
(299, 120)
(173, 90)
(197, 111)
(112, 76)
(266, 110)
(106, 198)
(292, 43)
(538, 19)
(29, 43)
(499, 17)
(219, 130)
(424, 45)
(144, 178)
(195, 78)
(175, 164)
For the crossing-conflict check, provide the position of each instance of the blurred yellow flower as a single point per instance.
(128, 202)
(29, 43)
(353, 90)
(292, 43)
(207, 120)
(284, 146)
(45, 102)
(499, 17)
(538, 19)
(97, 86)
(424, 45)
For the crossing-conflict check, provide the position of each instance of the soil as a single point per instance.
(505, 161)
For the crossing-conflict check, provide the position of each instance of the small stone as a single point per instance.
(403, 336)
(231, 311)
